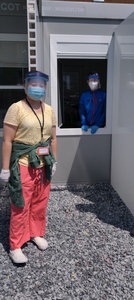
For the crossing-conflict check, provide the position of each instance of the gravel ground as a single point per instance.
(90, 254)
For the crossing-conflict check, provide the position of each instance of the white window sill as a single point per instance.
(79, 132)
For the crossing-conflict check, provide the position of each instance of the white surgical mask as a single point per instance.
(93, 85)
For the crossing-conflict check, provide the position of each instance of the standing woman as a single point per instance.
(29, 155)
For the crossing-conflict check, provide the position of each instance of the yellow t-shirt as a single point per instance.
(28, 128)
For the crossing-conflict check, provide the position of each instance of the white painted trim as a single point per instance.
(9, 37)
(55, 41)
(11, 87)
(65, 38)
(79, 132)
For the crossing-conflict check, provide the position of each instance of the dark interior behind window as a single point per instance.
(71, 83)
(12, 76)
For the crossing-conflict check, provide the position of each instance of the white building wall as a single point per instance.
(122, 167)
(77, 163)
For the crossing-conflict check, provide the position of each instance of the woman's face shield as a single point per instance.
(35, 87)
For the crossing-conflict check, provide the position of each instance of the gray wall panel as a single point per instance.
(83, 159)
(122, 167)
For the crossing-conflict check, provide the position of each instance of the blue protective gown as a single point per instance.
(92, 108)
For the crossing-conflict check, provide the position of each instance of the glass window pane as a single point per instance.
(13, 54)
(12, 76)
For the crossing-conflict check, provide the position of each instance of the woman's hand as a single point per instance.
(54, 168)
(4, 176)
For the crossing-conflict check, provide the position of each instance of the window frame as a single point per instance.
(90, 47)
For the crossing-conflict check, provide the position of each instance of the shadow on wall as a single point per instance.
(101, 200)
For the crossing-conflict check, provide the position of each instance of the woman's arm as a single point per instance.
(8, 137)
(54, 142)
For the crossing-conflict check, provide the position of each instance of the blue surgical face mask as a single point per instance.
(36, 93)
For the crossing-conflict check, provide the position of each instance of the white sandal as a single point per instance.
(17, 256)
(40, 242)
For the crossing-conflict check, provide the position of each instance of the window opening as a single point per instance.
(71, 83)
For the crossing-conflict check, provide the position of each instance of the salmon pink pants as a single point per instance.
(30, 220)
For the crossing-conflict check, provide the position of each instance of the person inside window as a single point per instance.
(29, 156)
(92, 105)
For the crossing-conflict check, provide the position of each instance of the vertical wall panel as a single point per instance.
(122, 169)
